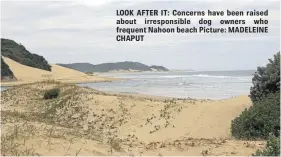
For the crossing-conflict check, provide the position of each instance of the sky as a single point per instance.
(85, 31)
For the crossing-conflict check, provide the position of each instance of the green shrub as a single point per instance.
(5, 70)
(259, 120)
(267, 79)
(272, 148)
(263, 118)
(20, 54)
(52, 93)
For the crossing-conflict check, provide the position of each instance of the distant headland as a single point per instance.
(114, 67)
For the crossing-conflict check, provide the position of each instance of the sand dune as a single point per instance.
(83, 121)
(26, 74)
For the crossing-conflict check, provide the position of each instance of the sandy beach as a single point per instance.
(84, 121)
(26, 74)
(140, 78)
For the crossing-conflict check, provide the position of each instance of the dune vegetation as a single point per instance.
(6, 73)
(83, 121)
(20, 54)
(262, 119)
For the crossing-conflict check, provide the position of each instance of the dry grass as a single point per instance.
(14, 138)
(116, 123)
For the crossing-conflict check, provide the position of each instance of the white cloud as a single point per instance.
(92, 3)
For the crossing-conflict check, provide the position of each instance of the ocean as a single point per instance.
(181, 84)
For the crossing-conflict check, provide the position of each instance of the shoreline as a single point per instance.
(128, 94)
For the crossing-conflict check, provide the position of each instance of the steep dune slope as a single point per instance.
(26, 74)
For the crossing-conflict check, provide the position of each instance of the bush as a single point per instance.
(20, 54)
(272, 148)
(6, 71)
(267, 79)
(52, 93)
(263, 117)
(259, 120)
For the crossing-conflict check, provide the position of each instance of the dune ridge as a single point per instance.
(26, 74)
